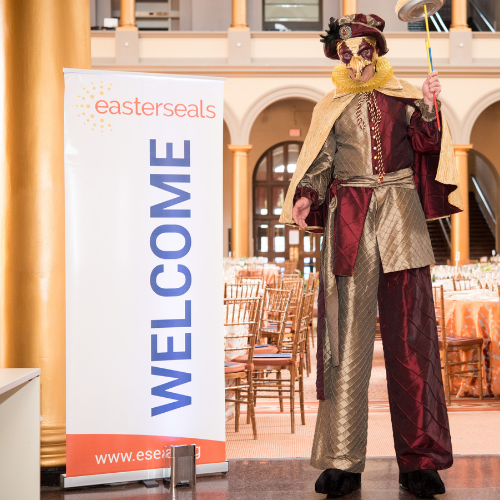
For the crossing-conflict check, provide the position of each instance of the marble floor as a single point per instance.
(470, 478)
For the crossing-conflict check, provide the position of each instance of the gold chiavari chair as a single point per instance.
(291, 359)
(296, 286)
(251, 281)
(241, 313)
(458, 345)
(312, 282)
(311, 287)
(271, 330)
(241, 290)
(290, 266)
(271, 325)
(275, 305)
(460, 284)
(288, 277)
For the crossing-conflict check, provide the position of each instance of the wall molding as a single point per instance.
(182, 34)
(291, 70)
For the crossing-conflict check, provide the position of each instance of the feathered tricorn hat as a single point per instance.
(354, 26)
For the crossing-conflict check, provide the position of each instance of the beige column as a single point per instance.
(239, 19)
(459, 16)
(127, 15)
(39, 39)
(460, 221)
(349, 7)
(239, 215)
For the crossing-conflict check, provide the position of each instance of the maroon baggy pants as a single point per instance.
(416, 395)
(414, 381)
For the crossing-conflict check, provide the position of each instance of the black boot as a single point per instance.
(337, 483)
(422, 483)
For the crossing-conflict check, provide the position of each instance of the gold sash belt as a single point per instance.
(402, 179)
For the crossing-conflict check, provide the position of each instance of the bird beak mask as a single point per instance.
(357, 54)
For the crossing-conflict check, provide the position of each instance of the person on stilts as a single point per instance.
(374, 166)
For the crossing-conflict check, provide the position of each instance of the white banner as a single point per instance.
(143, 179)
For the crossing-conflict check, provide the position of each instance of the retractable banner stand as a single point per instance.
(143, 180)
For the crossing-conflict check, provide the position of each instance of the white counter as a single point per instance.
(20, 433)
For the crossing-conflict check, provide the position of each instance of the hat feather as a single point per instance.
(332, 33)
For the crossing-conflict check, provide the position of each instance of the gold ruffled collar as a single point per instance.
(344, 84)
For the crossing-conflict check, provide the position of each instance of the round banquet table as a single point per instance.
(475, 313)
(447, 284)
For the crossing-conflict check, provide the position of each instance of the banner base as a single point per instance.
(140, 475)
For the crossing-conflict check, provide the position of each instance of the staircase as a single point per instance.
(481, 239)
(438, 240)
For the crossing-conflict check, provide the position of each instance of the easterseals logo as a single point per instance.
(87, 99)
(98, 110)
(139, 108)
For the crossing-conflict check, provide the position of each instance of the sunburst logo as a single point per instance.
(88, 96)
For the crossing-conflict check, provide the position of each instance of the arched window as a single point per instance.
(273, 240)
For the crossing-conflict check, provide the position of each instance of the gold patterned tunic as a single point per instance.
(370, 153)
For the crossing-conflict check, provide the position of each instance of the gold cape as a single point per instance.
(325, 115)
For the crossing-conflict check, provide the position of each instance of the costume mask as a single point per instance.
(357, 54)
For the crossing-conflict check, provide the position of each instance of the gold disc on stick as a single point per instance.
(413, 10)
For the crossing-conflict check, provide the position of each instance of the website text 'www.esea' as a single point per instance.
(140, 456)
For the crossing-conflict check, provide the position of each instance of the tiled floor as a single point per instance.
(276, 441)
(471, 478)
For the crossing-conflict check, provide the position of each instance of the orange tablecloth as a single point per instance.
(476, 313)
(271, 274)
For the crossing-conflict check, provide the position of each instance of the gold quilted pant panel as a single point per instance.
(342, 423)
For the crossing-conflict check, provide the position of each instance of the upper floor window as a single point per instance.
(292, 15)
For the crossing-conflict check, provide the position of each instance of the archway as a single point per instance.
(277, 95)
(273, 240)
(271, 132)
(476, 110)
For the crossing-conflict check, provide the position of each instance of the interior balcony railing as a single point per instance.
(439, 24)
(446, 228)
(484, 206)
(478, 20)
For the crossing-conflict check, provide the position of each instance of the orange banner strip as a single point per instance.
(90, 454)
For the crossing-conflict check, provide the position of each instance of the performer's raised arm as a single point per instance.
(423, 128)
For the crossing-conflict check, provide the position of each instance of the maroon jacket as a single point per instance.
(416, 145)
